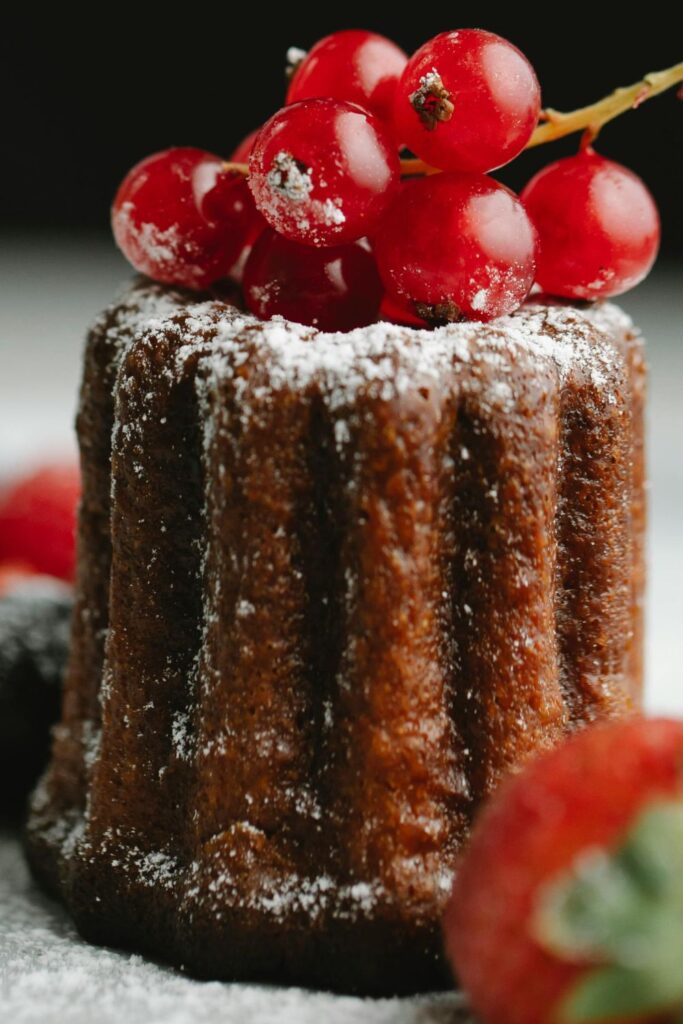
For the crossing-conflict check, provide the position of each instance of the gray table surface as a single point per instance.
(49, 289)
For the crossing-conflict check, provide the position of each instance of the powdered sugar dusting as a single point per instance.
(393, 360)
(157, 250)
(48, 974)
(430, 80)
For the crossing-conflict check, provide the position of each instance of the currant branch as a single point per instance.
(555, 124)
(593, 117)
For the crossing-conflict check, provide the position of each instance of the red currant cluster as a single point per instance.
(324, 231)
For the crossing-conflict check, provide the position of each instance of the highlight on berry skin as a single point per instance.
(367, 196)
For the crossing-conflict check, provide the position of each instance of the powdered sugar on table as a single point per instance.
(49, 975)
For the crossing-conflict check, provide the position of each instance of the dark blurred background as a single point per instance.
(85, 97)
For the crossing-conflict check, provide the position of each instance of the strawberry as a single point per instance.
(37, 520)
(568, 903)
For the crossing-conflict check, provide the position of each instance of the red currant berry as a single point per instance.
(242, 152)
(38, 520)
(598, 227)
(232, 203)
(353, 65)
(180, 217)
(457, 246)
(334, 289)
(323, 171)
(467, 101)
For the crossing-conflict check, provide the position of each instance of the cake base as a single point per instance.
(331, 590)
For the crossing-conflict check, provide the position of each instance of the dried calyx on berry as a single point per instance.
(289, 177)
(431, 101)
(325, 172)
(440, 313)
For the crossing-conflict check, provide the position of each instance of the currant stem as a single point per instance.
(412, 167)
(593, 117)
(236, 168)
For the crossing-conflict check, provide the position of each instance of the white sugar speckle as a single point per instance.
(480, 299)
(295, 55)
(244, 609)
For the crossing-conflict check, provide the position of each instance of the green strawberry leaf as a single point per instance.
(612, 993)
(622, 911)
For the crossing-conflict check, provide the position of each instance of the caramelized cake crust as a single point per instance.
(331, 588)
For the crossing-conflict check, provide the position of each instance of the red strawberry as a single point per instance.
(37, 520)
(568, 904)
